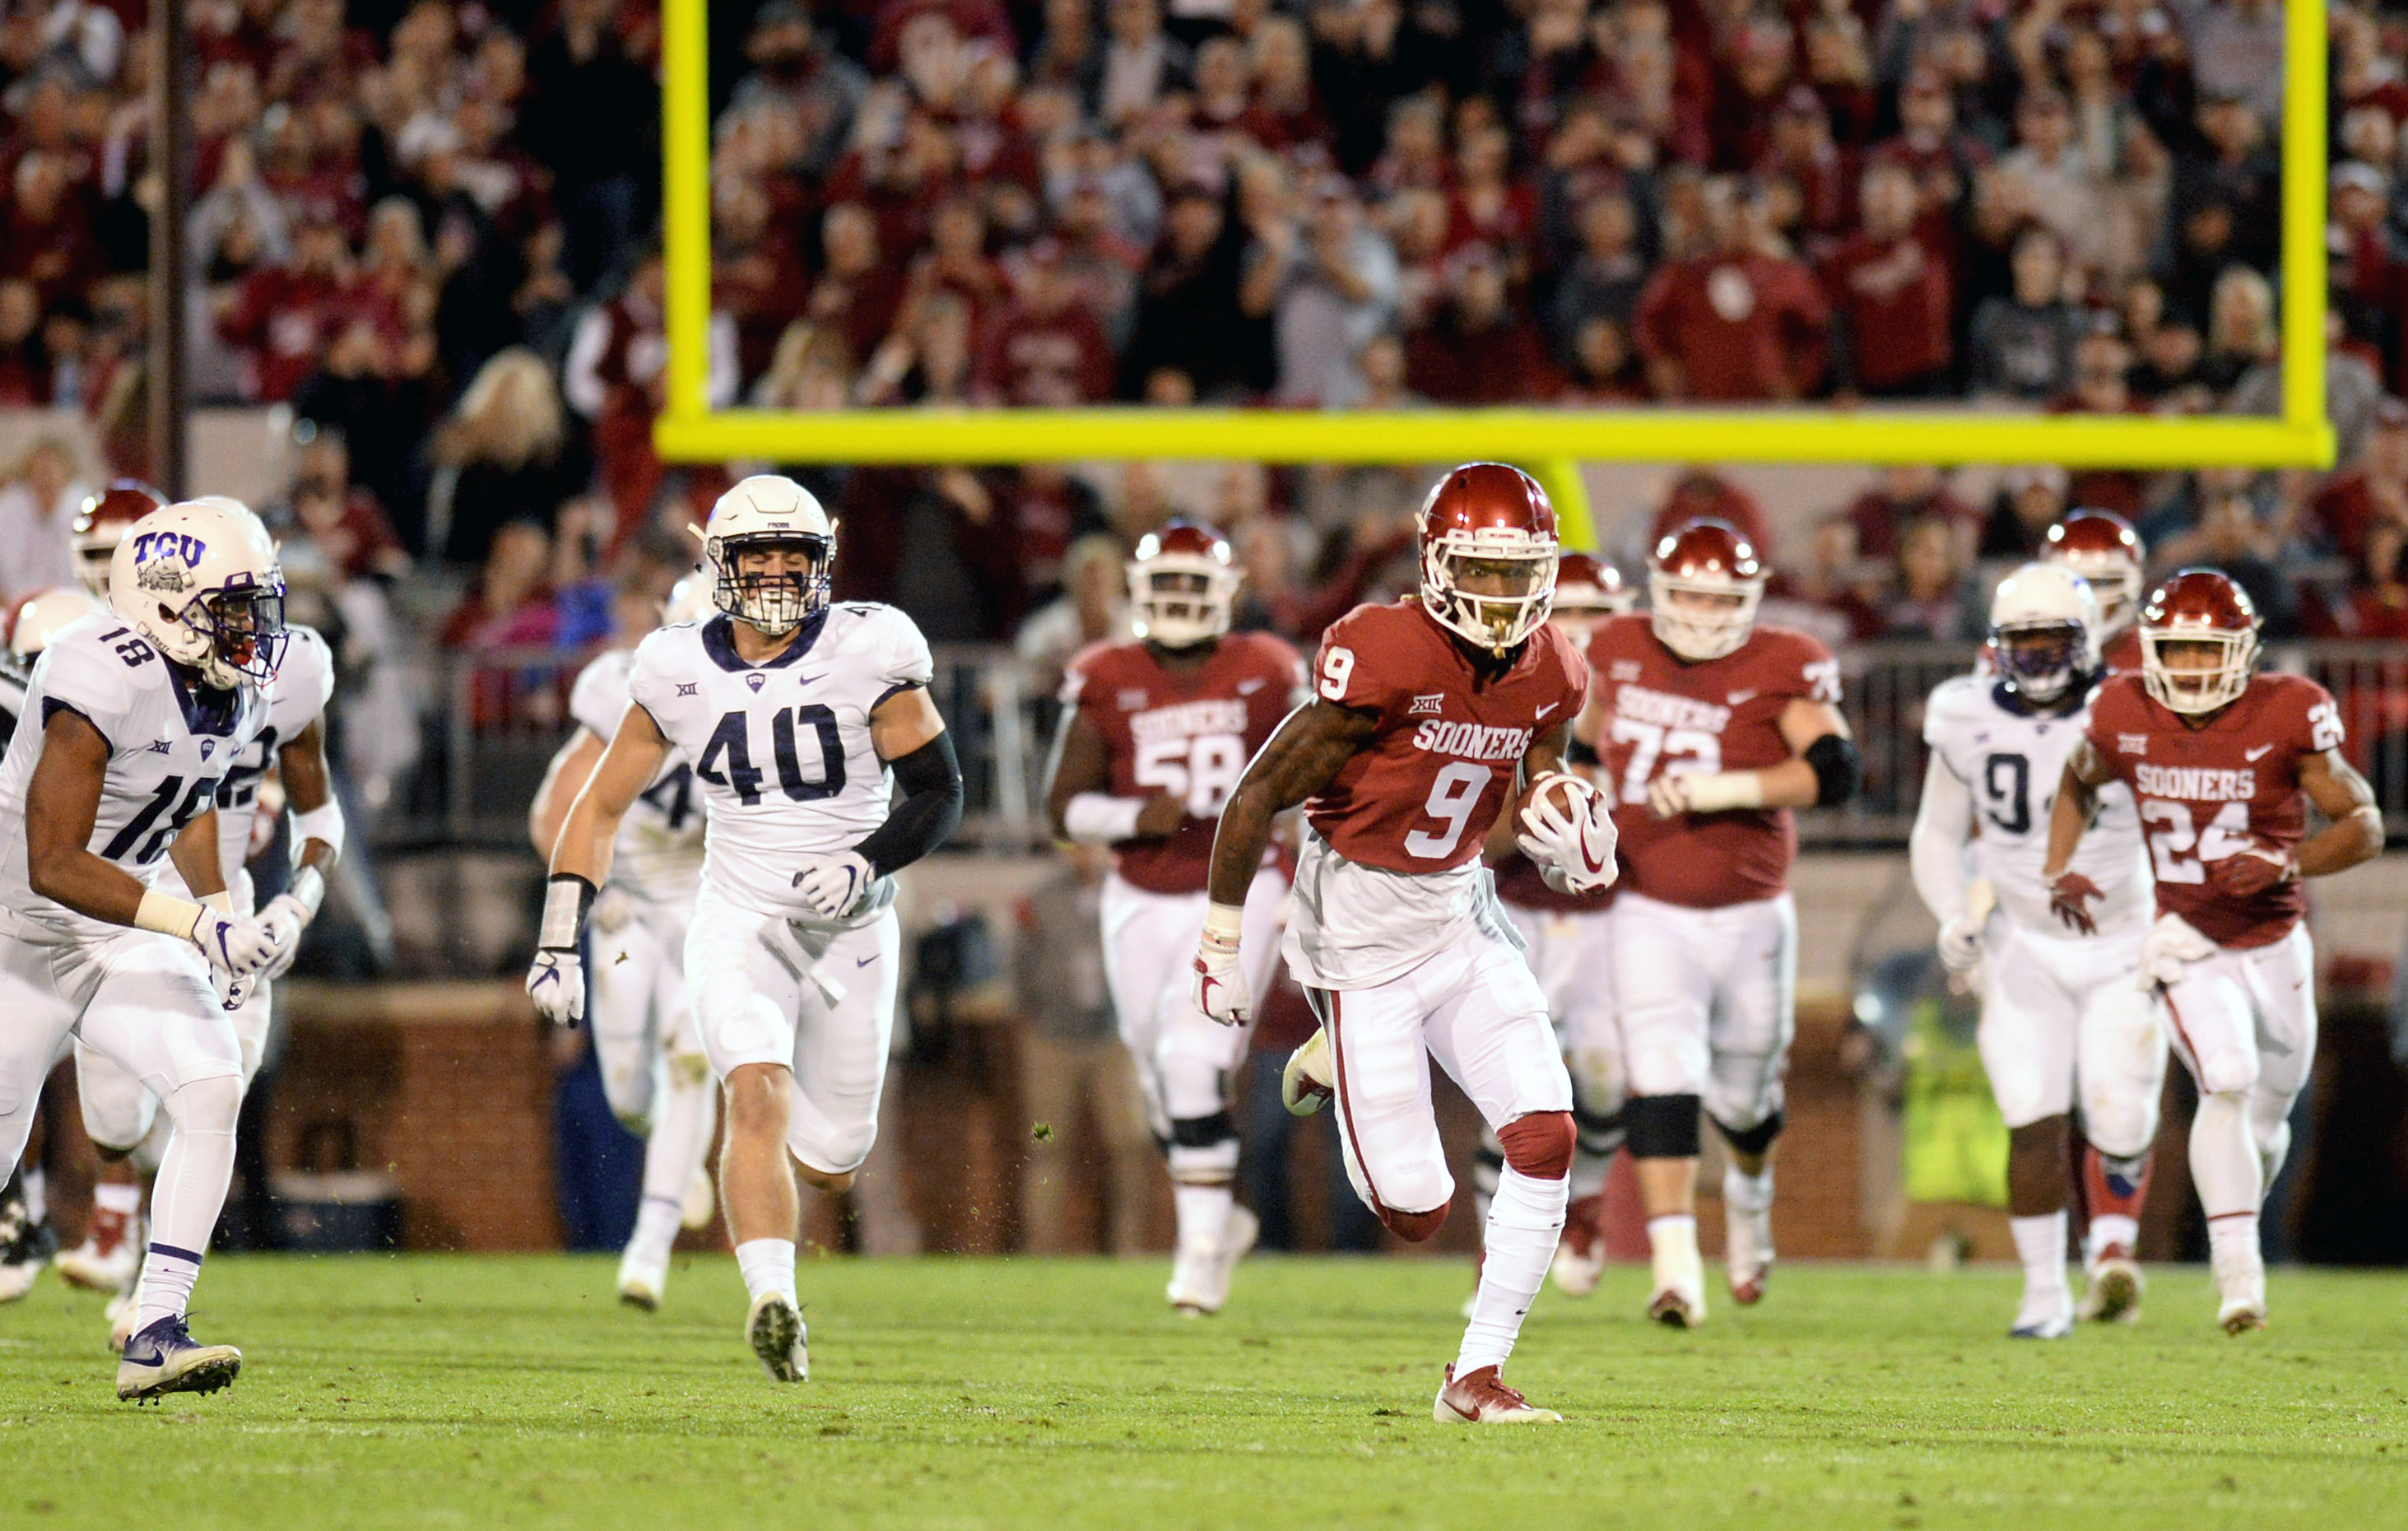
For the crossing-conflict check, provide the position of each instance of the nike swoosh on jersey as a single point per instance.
(1541, 715)
(1247, 688)
(1735, 699)
(2253, 754)
(864, 962)
(809, 680)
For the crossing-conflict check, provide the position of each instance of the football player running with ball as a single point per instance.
(1154, 735)
(799, 716)
(653, 1072)
(2061, 1020)
(2223, 764)
(1711, 729)
(142, 713)
(1429, 717)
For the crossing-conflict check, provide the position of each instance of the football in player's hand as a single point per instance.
(1567, 794)
(2251, 870)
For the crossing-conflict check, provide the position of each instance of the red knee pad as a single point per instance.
(1540, 1145)
(1413, 1227)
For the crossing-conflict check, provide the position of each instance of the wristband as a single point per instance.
(1094, 818)
(167, 914)
(565, 903)
(1223, 923)
(308, 890)
(1713, 792)
(322, 822)
(222, 901)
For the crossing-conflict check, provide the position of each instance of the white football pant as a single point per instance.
(1706, 1000)
(2245, 1024)
(816, 999)
(2061, 1021)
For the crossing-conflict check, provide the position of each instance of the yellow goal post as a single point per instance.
(1550, 442)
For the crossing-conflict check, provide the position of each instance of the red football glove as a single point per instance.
(2069, 899)
(2247, 873)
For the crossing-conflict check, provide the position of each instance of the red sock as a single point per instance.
(2111, 1194)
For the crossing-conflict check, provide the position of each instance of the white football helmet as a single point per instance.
(2044, 627)
(199, 580)
(1182, 587)
(39, 618)
(769, 511)
(690, 599)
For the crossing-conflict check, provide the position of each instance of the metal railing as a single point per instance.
(496, 717)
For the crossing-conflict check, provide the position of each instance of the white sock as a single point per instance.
(656, 1229)
(1589, 1172)
(1747, 1211)
(2108, 1229)
(768, 1265)
(1523, 1222)
(1674, 1240)
(2040, 1243)
(190, 1193)
(2233, 1254)
(1203, 1215)
(116, 1197)
(37, 1186)
(2223, 1162)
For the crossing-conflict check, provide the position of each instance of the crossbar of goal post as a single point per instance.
(1551, 443)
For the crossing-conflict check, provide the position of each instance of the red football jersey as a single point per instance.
(1187, 734)
(1664, 715)
(1422, 795)
(2205, 793)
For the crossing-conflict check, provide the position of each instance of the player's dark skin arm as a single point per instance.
(2355, 833)
(301, 765)
(61, 804)
(1305, 754)
(1080, 764)
(2077, 806)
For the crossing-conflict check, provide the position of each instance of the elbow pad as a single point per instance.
(1838, 769)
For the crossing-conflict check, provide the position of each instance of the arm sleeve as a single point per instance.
(931, 779)
(1936, 846)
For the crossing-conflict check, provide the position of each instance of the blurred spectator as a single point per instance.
(1825, 595)
(1044, 348)
(2241, 333)
(794, 74)
(1699, 493)
(1478, 350)
(593, 116)
(505, 454)
(341, 519)
(1078, 1088)
(2030, 500)
(1327, 280)
(1892, 307)
(2345, 512)
(510, 603)
(1092, 608)
(2101, 385)
(1742, 321)
(1929, 595)
(1606, 278)
(2226, 533)
(2374, 604)
(39, 495)
(1905, 494)
(2021, 345)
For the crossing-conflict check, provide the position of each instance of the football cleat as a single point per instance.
(2239, 1315)
(702, 1203)
(2114, 1294)
(642, 1283)
(26, 1247)
(775, 1330)
(1677, 1309)
(2045, 1315)
(1481, 1397)
(1309, 1080)
(1580, 1257)
(166, 1358)
(1200, 1284)
(104, 1265)
(123, 1312)
(1747, 1263)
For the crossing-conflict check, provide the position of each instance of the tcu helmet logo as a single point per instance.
(165, 560)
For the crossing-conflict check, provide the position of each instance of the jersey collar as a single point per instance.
(206, 710)
(719, 642)
(2077, 695)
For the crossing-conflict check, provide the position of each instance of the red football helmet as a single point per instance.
(1703, 583)
(2101, 546)
(1585, 582)
(102, 521)
(2198, 610)
(1182, 585)
(1492, 523)
(39, 618)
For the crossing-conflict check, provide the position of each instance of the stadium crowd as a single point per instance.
(428, 229)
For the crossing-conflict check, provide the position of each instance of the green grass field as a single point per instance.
(483, 1392)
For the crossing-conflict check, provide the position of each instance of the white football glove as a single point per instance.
(834, 886)
(1960, 943)
(236, 946)
(1576, 848)
(284, 918)
(2172, 946)
(556, 982)
(1219, 988)
(233, 992)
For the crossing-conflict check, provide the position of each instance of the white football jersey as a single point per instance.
(305, 682)
(658, 854)
(171, 741)
(781, 751)
(2011, 761)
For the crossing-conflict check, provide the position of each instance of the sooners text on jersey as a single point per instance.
(1665, 716)
(2205, 793)
(1422, 795)
(1188, 734)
